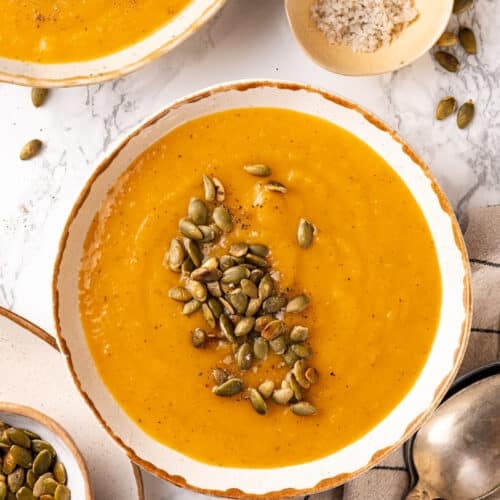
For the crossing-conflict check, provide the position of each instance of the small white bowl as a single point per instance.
(24, 417)
(440, 368)
(413, 42)
(124, 61)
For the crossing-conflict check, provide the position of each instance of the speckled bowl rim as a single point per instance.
(441, 387)
(73, 81)
(30, 412)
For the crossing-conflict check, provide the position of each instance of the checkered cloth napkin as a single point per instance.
(481, 229)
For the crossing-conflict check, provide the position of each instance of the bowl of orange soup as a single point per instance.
(262, 291)
(49, 43)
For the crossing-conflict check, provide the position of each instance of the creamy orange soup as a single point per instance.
(52, 31)
(372, 275)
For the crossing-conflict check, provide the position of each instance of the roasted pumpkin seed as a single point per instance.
(290, 357)
(229, 387)
(208, 188)
(273, 304)
(278, 345)
(25, 493)
(205, 274)
(460, 6)
(194, 252)
(180, 294)
(30, 478)
(198, 211)
(303, 409)
(244, 327)
(255, 260)
(22, 456)
(299, 372)
(299, 333)
(60, 474)
(189, 229)
(16, 479)
(209, 233)
(222, 219)
(176, 255)
(266, 388)
(215, 306)
(294, 385)
(446, 107)
(249, 288)
(197, 290)
(468, 40)
(258, 170)
(465, 114)
(19, 437)
(208, 315)
(448, 61)
(282, 396)
(238, 249)
(447, 39)
(220, 191)
(219, 375)
(187, 266)
(253, 307)
(30, 149)
(227, 261)
(266, 287)
(214, 289)
(38, 445)
(298, 304)
(311, 375)
(227, 328)
(257, 401)
(42, 462)
(276, 187)
(259, 249)
(244, 356)
(260, 348)
(256, 275)
(235, 274)
(62, 493)
(238, 300)
(39, 96)
(9, 463)
(49, 486)
(274, 329)
(228, 308)
(262, 321)
(38, 488)
(305, 233)
(191, 307)
(302, 351)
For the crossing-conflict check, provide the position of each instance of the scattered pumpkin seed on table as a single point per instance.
(39, 96)
(448, 61)
(465, 114)
(446, 107)
(30, 149)
(447, 39)
(468, 40)
(461, 6)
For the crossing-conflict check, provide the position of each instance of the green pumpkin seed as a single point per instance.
(211, 263)
(30, 478)
(299, 333)
(258, 170)
(205, 274)
(294, 385)
(219, 375)
(303, 409)
(209, 188)
(311, 375)
(3, 491)
(19, 437)
(447, 39)
(253, 307)
(190, 230)
(282, 396)
(256, 275)
(249, 288)
(38, 445)
(214, 289)
(460, 6)
(22, 456)
(468, 40)
(62, 493)
(244, 356)
(215, 306)
(235, 274)
(30, 149)
(260, 348)
(227, 328)
(198, 338)
(305, 233)
(238, 249)
(187, 266)
(42, 462)
(274, 329)
(228, 308)
(220, 195)
(290, 357)
(9, 463)
(49, 486)
(302, 351)
(39, 96)
(465, 114)
(176, 255)
(191, 307)
(258, 403)
(222, 219)
(266, 287)
(25, 493)
(16, 479)
(238, 300)
(229, 388)
(446, 107)
(197, 289)
(227, 261)
(180, 294)
(209, 316)
(38, 489)
(209, 233)
(244, 327)
(298, 304)
(275, 187)
(262, 321)
(259, 249)
(448, 61)
(198, 211)
(299, 372)
(273, 304)
(194, 252)
(278, 345)
(256, 260)
(266, 388)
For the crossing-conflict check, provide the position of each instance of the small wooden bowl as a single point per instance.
(25, 417)
(413, 42)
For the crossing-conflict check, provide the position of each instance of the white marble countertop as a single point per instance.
(247, 39)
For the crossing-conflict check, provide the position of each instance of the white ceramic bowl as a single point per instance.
(25, 417)
(194, 15)
(440, 368)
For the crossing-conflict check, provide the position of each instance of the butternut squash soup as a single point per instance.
(327, 242)
(56, 31)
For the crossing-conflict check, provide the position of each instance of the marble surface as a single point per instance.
(247, 39)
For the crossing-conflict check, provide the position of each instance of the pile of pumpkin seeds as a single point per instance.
(467, 39)
(29, 467)
(240, 300)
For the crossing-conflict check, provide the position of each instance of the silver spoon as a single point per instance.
(457, 452)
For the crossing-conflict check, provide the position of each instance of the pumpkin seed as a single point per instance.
(311, 375)
(42, 462)
(198, 211)
(30, 478)
(16, 479)
(305, 233)
(262, 321)
(3, 491)
(298, 304)
(211, 263)
(258, 170)
(266, 388)
(39, 96)
(197, 289)
(227, 328)
(31, 434)
(282, 396)
(227, 261)
(259, 249)
(465, 114)
(448, 61)
(446, 107)
(260, 348)
(468, 40)
(235, 274)
(249, 288)
(209, 233)
(299, 372)
(278, 345)
(205, 274)
(302, 351)
(238, 300)
(30, 149)
(274, 329)
(276, 187)
(229, 388)
(256, 260)
(22, 456)
(9, 463)
(461, 6)
(191, 307)
(176, 255)
(25, 494)
(299, 333)
(198, 337)
(219, 375)
(273, 304)
(214, 289)
(238, 249)
(180, 294)
(19, 437)
(222, 219)
(215, 307)
(244, 356)
(244, 327)
(303, 409)
(209, 188)
(62, 493)
(194, 252)
(228, 308)
(253, 307)
(187, 266)
(294, 385)
(209, 316)
(38, 445)
(290, 357)
(256, 275)
(258, 403)
(189, 229)
(266, 287)
(220, 195)
(49, 486)
(38, 489)
(447, 39)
